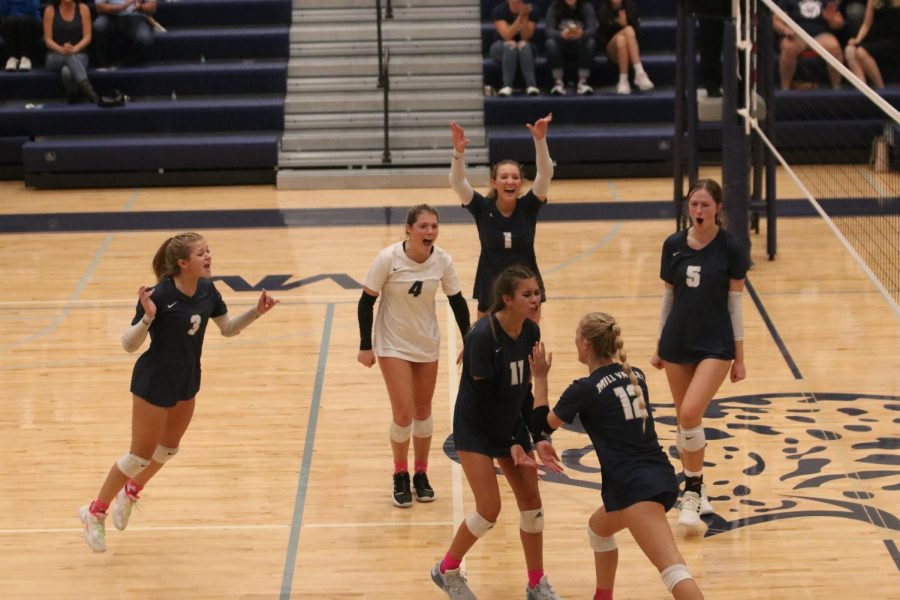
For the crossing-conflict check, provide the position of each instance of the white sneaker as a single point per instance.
(158, 28)
(583, 88)
(643, 82)
(122, 508)
(623, 88)
(94, 529)
(453, 582)
(24, 64)
(690, 509)
(558, 90)
(12, 64)
(542, 591)
(705, 507)
(505, 91)
(532, 91)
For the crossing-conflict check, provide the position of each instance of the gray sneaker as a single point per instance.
(453, 582)
(542, 591)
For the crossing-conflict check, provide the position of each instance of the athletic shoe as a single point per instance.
(643, 82)
(423, 490)
(532, 91)
(583, 89)
(542, 591)
(505, 91)
(121, 511)
(623, 88)
(558, 90)
(402, 497)
(690, 509)
(94, 528)
(453, 582)
(24, 64)
(12, 64)
(705, 507)
(158, 28)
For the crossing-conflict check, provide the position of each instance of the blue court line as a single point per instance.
(774, 332)
(895, 553)
(287, 579)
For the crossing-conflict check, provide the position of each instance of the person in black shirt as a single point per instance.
(515, 22)
(490, 423)
(506, 221)
(166, 378)
(701, 328)
(639, 483)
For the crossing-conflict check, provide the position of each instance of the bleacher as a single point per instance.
(206, 106)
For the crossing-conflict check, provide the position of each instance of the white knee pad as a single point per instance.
(400, 434)
(692, 439)
(673, 575)
(600, 543)
(478, 525)
(162, 454)
(423, 428)
(131, 465)
(532, 521)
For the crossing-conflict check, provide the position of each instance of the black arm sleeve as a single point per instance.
(364, 311)
(460, 312)
(540, 428)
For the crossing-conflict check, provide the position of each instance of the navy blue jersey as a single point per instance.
(699, 325)
(505, 241)
(169, 370)
(808, 14)
(489, 353)
(632, 464)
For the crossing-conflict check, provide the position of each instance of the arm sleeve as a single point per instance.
(668, 300)
(364, 311)
(544, 168)
(458, 180)
(460, 312)
(136, 333)
(736, 312)
(230, 327)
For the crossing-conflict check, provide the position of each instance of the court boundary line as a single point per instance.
(770, 325)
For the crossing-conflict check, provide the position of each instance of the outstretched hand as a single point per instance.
(520, 458)
(266, 303)
(460, 141)
(144, 293)
(549, 457)
(540, 360)
(539, 129)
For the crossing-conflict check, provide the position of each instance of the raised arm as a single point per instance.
(542, 159)
(458, 180)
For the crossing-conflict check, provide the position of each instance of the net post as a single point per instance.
(735, 143)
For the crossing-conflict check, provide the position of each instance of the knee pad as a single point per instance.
(692, 439)
(400, 434)
(423, 427)
(131, 465)
(477, 525)
(600, 543)
(532, 521)
(673, 575)
(162, 454)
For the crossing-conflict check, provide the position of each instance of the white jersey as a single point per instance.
(406, 325)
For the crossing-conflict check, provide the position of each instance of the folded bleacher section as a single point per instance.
(206, 106)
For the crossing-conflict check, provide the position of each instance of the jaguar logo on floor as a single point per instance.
(280, 283)
(847, 471)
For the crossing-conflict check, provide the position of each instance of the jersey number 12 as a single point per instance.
(631, 404)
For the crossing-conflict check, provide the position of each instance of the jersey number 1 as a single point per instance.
(416, 288)
(630, 402)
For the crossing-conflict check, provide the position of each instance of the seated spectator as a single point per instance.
(67, 33)
(822, 20)
(20, 24)
(619, 22)
(877, 42)
(515, 21)
(125, 20)
(571, 27)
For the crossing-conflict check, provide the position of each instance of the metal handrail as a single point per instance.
(384, 79)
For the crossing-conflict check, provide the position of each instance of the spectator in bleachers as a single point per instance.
(125, 20)
(619, 23)
(571, 27)
(516, 22)
(67, 34)
(877, 42)
(20, 24)
(822, 20)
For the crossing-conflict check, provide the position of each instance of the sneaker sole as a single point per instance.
(424, 498)
(401, 504)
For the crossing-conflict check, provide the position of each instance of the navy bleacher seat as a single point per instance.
(218, 43)
(233, 13)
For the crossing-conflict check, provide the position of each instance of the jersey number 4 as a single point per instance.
(416, 288)
(631, 404)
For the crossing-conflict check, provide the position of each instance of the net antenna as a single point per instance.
(857, 193)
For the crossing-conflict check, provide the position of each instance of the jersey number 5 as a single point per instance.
(693, 276)
(195, 324)
(416, 288)
(630, 402)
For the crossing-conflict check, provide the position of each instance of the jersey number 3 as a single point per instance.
(693, 276)
(415, 289)
(195, 324)
(630, 403)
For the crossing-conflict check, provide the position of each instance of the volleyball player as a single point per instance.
(639, 483)
(407, 341)
(490, 423)
(506, 221)
(166, 378)
(701, 329)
